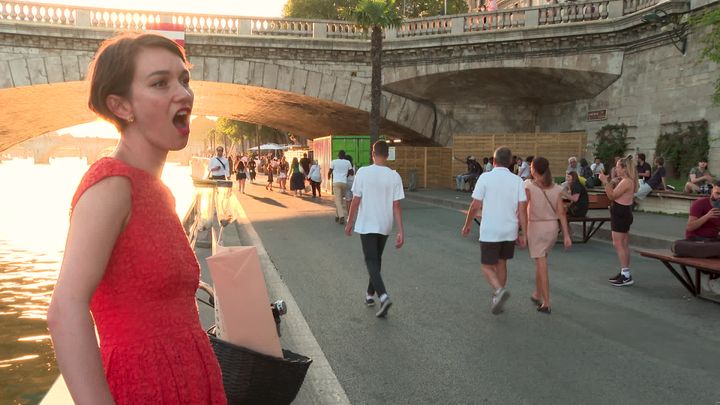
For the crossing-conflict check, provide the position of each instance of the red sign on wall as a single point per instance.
(597, 115)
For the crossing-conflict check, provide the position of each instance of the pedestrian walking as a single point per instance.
(544, 208)
(252, 169)
(297, 178)
(339, 169)
(500, 195)
(305, 164)
(128, 268)
(219, 166)
(269, 172)
(621, 191)
(377, 192)
(315, 177)
(241, 175)
(350, 179)
(283, 168)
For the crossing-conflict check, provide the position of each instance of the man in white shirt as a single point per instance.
(219, 166)
(524, 167)
(377, 191)
(500, 196)
(339, 169)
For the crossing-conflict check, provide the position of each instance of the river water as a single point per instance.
(34, 207)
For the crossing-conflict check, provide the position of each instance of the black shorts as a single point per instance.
(621, 217)
(492, 252)
(241, 176)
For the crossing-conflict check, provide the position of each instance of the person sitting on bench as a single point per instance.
(577, 195)
(474, 171)
(699, 179)
(655, 182)
(704, 216)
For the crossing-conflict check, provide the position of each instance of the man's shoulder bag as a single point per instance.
(698, 249)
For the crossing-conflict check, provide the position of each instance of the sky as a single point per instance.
(253, 8)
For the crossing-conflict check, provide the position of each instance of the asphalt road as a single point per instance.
(646, 344)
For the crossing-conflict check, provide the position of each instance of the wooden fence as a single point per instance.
(556, 147)
(431, 164)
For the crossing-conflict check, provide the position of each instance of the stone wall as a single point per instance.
(658, 86)
(492, 118)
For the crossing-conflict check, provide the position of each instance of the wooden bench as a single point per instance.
(700, 265)
(590, 225)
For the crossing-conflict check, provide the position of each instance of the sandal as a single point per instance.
(544, 310)
(535, 301)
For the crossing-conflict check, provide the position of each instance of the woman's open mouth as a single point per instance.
(181, 120)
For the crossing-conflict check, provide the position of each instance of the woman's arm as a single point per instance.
(97, 220)
(560, 209)
(615, 192)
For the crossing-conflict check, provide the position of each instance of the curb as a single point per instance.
(321, 385)
(604, 235)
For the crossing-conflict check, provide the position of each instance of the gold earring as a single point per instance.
(131, 119)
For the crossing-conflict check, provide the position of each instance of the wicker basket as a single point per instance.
(250, 377)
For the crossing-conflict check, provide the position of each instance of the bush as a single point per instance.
(611, 141)
(684, 146)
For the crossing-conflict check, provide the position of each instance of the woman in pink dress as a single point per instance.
(127, 260)
(545, 208)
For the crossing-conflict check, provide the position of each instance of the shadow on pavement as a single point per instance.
(267, 200)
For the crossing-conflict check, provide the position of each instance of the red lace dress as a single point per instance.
(153, 347)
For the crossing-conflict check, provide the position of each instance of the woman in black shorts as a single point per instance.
(241, 176)
(621, 192)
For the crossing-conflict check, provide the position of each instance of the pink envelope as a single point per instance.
(243, 311)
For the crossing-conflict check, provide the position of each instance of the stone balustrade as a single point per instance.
(631, 6)
(424, 26)
(501, 19)
(568, 12)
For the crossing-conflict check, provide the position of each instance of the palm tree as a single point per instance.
(376, 15)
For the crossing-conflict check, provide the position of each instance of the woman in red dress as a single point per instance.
(127, 260)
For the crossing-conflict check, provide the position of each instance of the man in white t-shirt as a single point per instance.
(377, 191)
(500, 196)
(339, 169)
(219, 166)
(524, 167)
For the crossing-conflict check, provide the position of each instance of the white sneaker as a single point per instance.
(498, 300)
(714, 286)
(705, 282)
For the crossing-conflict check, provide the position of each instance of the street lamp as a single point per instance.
(675, 24)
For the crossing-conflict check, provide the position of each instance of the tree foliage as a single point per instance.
(684, 146)
(712, 42)
(376, 13)
(611, 141)
(342, 9)
(239, 131)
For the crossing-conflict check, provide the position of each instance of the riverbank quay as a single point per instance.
(646, 344)
(648, 231)
(230, 227)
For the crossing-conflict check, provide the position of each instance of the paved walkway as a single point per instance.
(647, 231)
(645, 344)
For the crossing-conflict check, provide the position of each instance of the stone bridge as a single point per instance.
(517, 70)
(45, 146)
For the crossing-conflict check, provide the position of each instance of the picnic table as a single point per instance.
(692, 284)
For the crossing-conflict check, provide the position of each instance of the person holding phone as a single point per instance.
(704, 216)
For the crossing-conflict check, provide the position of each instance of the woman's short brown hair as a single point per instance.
(113, 68)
